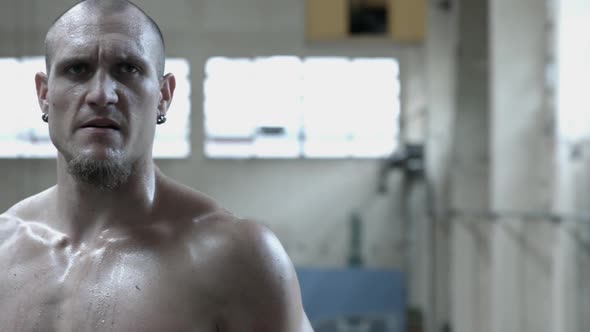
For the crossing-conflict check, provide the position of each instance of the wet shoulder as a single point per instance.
(235, 247)
(28, 210)
(247, 270)
(180, 202)
(31, 208)
(216, 234)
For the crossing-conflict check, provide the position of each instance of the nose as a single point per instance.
(102, 90)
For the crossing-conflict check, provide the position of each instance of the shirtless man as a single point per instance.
(116, 245)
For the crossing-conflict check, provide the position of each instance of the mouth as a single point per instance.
(101, 124)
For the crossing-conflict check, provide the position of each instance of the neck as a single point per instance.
(85, 213)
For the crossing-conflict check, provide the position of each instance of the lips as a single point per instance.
(101, 123)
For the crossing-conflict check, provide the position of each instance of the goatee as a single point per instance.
(104, 175)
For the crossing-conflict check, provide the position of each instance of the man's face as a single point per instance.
(103, 92)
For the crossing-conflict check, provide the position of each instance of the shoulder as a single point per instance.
(238, 239)
(260, 286)
(178, 201)
(247, 269)
(16, 215)
(29, 220)
(241, 239)
(249, 243)
(29, 209)
(32, 207)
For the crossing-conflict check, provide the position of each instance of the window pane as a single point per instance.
(283, 106)
(574, 64)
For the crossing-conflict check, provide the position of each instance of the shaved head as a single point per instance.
(97, 8)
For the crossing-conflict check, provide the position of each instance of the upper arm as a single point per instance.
(266, 293)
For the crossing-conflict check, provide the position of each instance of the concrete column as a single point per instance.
(471, 269)
(470, 186)
(440, 48)
(583, 295)
(571, 289)
(565, 284)
(522, 167)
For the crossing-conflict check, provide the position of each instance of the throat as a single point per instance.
(83, 211)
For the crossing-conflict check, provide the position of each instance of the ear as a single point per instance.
(41, 85)
(167, 87)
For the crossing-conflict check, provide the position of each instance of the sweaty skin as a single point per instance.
(149, 254)
(189, 267)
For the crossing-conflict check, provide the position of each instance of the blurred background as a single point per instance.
(425, 163)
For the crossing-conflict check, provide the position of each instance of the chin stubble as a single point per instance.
(105, 175)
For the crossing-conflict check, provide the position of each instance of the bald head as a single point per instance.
(79, 14)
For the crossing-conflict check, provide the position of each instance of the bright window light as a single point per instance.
(26, 136)
(287, 107)
(573, 69)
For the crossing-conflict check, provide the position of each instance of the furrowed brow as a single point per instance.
(64, 62)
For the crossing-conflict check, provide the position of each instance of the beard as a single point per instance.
(105, 175)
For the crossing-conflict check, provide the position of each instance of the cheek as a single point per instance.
(143, 119)
(60, 115)
(141, 101)
(63, 99)
(145, 105)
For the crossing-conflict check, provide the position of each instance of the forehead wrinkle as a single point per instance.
(105, 47)
(118, 38)
(84, 19)
(86, 9)
(98, 51)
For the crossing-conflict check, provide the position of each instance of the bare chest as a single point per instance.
(99, 291)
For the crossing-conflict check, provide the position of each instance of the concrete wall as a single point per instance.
(307, 202)
(515, 267)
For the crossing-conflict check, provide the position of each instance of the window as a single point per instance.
(287, 107)
(573, 65)
(24, 135)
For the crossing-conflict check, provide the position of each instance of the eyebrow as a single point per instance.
(125, 57)
(61, 63)
(132, 58)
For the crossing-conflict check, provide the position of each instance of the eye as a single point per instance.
(77, 69)
(127, 68)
